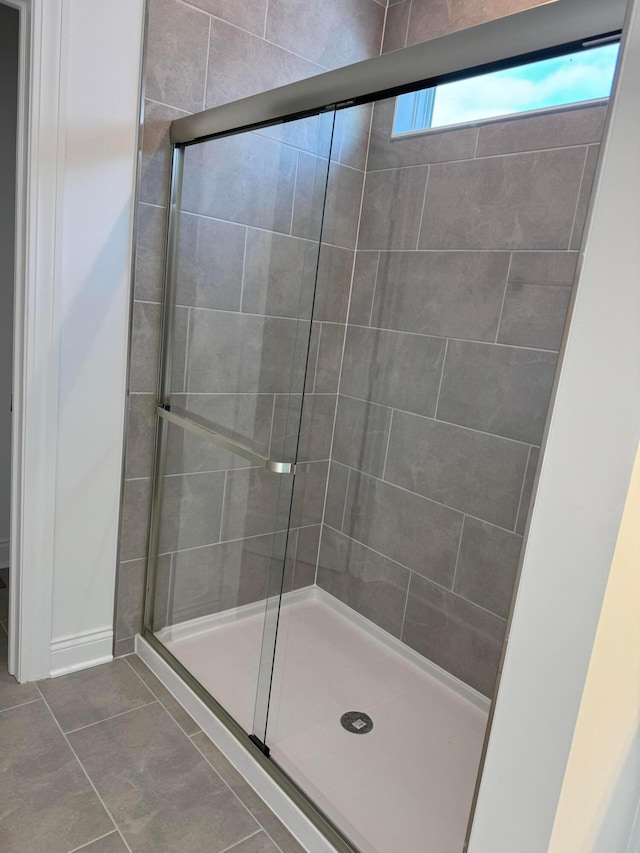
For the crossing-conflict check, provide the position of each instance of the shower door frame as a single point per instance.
(543, 32)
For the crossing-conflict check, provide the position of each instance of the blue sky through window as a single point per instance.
(568, 79)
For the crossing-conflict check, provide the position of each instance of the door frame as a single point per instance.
(39, 159)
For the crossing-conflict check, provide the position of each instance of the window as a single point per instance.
(569, 79)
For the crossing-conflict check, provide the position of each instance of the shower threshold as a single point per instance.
(407, 782)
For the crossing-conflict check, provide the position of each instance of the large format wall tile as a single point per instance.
(365, 270)
(468, 470)
(393, 522)
(151, 228)
(244, 418)
(191, 510)
(585, 195)
(487, 565)
(368, 582)
(336, 32)
(155, 168)
(278, 275)
(386, 152)
(247, 179)
(220, 577)
(391, 208)
(458, 636)
(248, 15)
(456, 294)
(393, 369)
(527, 489)
(253, 504)
(176, 55)
(502, 390)
(534, 315)
(361, 435)
(241, 64)
(136, 511)
(210, 263)
(551, 130)
(140, 435)
(239, 353)
(432, 18)
(522, 201)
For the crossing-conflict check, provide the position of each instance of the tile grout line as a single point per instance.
(492, 343)
(504, 298)
(82, 767)
(482, 157)
(252, 35)
(206, 67)
(315, 366)
(346, 495)
(424, 202)
(112, 717)
(19, 705)
(235, 794)
(406, 32)
(185, 372)
(386, 452)
(244, 267)
(444, 361)
(455, 568)
(93, 841)
(384, 30)
(431, 500)
(373, 295)
(406, 605)
(266, 13)
(524, 480)
(241, 841)
(159, 700)
(294, 195)
(580, 187)
(418, 574)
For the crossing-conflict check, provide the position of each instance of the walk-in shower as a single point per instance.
(361, 333)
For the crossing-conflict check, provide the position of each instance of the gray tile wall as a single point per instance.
(465, 258)
(201, 53)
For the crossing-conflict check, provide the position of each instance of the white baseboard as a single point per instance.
(4, 553)
(81, 651)
(297, 823)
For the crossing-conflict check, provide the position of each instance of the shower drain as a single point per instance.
(357, 722)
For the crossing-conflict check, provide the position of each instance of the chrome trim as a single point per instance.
(222, 441)
(164, 382)
(547, 29)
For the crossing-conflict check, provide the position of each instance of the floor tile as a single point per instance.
(112, 843)
(87, 697)
(161, 792)
(258, 808)
(46, 801)
(182, 718)
(258, 843)
(12, 693)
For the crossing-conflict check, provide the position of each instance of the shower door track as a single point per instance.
(546, 31)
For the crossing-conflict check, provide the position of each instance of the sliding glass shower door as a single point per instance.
(245, 222)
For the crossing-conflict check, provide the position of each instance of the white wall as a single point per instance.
(8, 114)
(101, 58)
(601, 788)
(590, 451)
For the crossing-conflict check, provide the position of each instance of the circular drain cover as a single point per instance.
(356, 722)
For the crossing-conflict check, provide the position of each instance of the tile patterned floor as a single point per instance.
(106, 761)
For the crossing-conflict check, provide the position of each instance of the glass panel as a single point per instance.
(248, 227)
(433, 393)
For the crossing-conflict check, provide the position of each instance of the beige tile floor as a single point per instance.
(105, 761)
